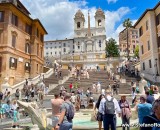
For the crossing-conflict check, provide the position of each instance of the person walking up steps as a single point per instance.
(67, 114)
(109, 107)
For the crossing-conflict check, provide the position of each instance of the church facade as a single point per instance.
(88, 43)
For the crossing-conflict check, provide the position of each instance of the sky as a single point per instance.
(57, 16)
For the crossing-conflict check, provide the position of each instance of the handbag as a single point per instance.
(99, 116)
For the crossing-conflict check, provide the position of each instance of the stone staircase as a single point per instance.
(96, 77)
(54, 80)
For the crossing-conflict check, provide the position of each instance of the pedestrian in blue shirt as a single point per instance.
(143, 108)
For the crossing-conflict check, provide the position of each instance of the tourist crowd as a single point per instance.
(72, 98)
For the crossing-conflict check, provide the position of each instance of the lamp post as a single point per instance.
(156, 66)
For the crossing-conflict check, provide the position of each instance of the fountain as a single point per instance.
(83, 119)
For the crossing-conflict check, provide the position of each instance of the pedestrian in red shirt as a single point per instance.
(70, 86)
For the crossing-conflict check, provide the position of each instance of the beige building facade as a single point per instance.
(21, 43)
(149, 37)
(132, 41)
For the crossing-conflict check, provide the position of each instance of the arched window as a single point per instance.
(27, 48)
(78, 24)
(78, 46)
(99, 22)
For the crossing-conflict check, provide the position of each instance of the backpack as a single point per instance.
(109, 107)
(70, 112)
(157, 122)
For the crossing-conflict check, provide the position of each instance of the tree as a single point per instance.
(127, 24)
(112, 48)
(136, 51)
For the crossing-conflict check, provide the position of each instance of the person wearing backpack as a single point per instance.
(67, 114)
(154, 118)
(109, 107)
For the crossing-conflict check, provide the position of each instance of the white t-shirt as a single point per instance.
(73, 98)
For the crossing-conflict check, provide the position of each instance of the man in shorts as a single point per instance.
(56, 104)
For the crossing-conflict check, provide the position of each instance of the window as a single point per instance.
(59, 46)
(41, 52)
(78, 24)
(27, 66)
(55, 47)
(37, 49)
(28, 29)
(27, 48)
(46, 53)
(73, 46)
(99, 43)
(142, 49)
(64, 49)
(46, 47)
(14, 20)
(150, 64)
(99, 22)
(0, 64)
(133, 41)
(133, 46)
(55, 52)
(42, 38)
(143, 66)
(140, 31)
(12, 62)
(158, 42)
(51, 53)
(1, 16)
(14, 41)
(78, 46)
(37, 33)
(147, 25)
(148, 45)
(37, 67)
(50, 47)
(64, 44)
(158, 19)
(60, 53)
(50, 43)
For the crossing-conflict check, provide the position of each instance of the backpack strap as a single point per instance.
(112, 99)
(153, 118)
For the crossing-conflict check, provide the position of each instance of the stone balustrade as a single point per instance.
(34, 80)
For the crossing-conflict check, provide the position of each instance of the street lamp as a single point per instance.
(156, 67)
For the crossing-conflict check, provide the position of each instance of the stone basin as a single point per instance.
(82, 120)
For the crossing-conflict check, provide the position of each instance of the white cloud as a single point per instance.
(112, 1)
(112, 18)
(57, 17)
